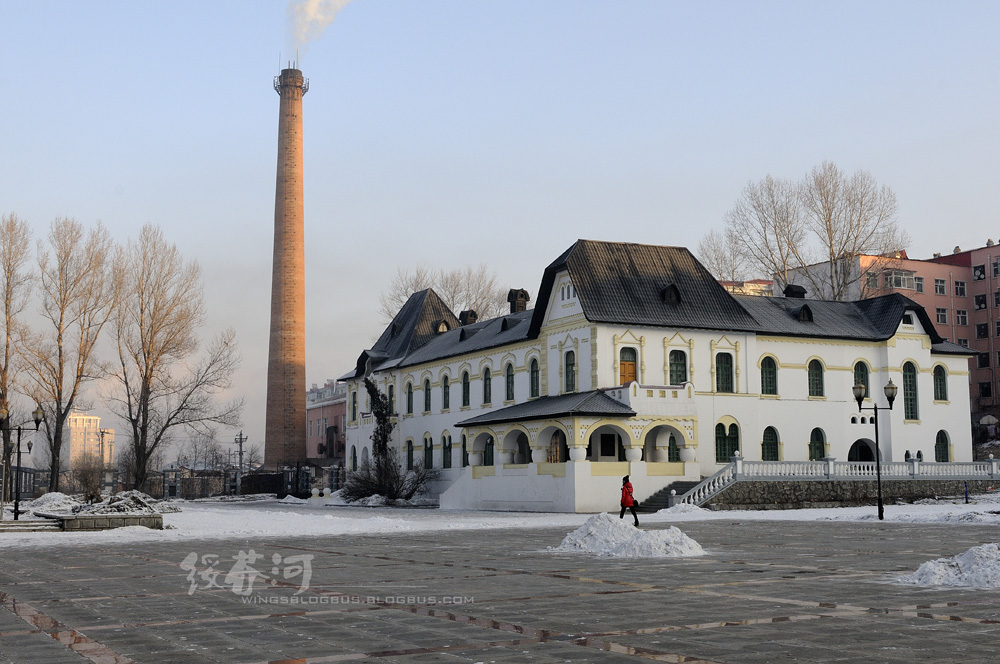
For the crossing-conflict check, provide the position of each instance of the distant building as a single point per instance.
(763, 287)
(326, 408)
(83, 438)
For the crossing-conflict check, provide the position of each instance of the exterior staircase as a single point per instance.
(661, 499)
(29, 526)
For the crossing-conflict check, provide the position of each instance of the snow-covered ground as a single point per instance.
(256, 517)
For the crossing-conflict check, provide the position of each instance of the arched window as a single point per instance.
(487, 386)
(673, 450)
(723, 372)
(509, 382)
(726, 443)
(815, 378)
(392, 399)
(817, 445)
(941, 451)
(445, 393)
(940, 383)
(466, 391)
(626, 365)
(678, 367)
(910, 411)
(427, 396)
(445, 451)
(354, 405)
(465, 452)
(769, 445)
(570, 371)
(428, 453)
(534, 382)
(354, 458)
(861, 376)
(768, 376)
(409, 398)
(409, 455)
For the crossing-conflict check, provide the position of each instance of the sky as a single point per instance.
(451, 134)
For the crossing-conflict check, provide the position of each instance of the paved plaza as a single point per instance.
(767, 592)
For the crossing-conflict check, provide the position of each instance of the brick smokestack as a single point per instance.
(285, 425)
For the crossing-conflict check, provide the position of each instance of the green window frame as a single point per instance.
(487, 386)
(769, 445)
(570, 371)
(509, 382)
(723, 372)
(817, 445)
(940, 383)
(727, 442)
(534, 380)
(466, 389)
(941, 447)
(768, 376)
(427, 395)
(861, 376)
(815, 378)
(445, 393)
(910, 408)
(678, 367)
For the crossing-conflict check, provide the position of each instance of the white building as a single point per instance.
(636, 361)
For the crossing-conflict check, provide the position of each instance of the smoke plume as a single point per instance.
(309, 18)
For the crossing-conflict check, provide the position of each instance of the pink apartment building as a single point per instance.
(326, 408)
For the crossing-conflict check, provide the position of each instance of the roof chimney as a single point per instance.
(794, 290)
(468, 317)
(518, 298)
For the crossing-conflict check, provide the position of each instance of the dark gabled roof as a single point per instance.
(595, 402)
(876, 319)
(948, 348)
(632, 284)
(506, 329)
(411, 328)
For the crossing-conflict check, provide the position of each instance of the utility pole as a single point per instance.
(240, 439)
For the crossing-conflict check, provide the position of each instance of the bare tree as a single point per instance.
(78, 295)
(721, 253)
(766, 224)
(253, 456)
(88, 475)
(15, 286)
(470, 288)
(849, 216)
(817, 227)
(160, 382)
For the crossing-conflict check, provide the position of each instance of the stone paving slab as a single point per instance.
(767, 592)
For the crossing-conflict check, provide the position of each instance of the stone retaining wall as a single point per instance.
(88, 522)
(799, 494)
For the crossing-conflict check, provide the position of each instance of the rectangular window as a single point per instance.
(998, 358)
(961, 317)
(959, 289)
(985, 390)
(996, 268)
(918, 284)
(982, 331)
(997, 325)
(963, 342)
(940, 287)
(996, 299)
(978, 272)
(899, 279)
(979, 301)
(983, 360)
(942, 316)
(871, 281)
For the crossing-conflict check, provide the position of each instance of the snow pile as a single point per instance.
(292, 500)
(54, 503)
(607, 535)
(373, 501)
(979, 567)
(129, 502)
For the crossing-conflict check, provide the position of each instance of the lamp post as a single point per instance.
(890, 390)
(37, 415)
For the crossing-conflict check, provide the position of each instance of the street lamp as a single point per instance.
(37, 415)
(890, 390)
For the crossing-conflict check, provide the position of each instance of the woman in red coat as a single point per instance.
(628, 501)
